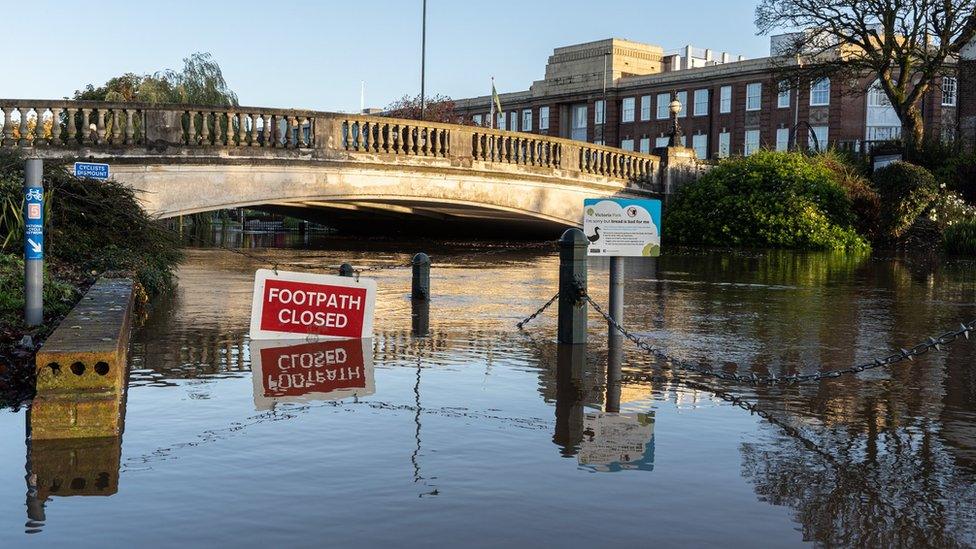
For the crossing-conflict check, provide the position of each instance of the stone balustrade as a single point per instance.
(102, 126)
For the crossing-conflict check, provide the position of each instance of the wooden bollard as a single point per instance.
(346, 270)
(572, 281)
(420, 285)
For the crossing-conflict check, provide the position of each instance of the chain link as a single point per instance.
(903, 354)
(541, 310)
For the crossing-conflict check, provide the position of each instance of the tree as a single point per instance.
(439, 108)
(905, 44)
(201, 82)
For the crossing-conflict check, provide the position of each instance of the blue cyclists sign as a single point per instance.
(91, 170)
(33, 223)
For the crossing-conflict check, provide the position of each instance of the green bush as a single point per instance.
(92, 226)
(59, 296)
(850, 175)
(958, 174)
(906, 191)
(960, 239)
(769, 199)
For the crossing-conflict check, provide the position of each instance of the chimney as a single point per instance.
(726, 57)
(708, 56)
(741, 58)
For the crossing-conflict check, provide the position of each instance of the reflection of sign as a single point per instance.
(34, 223)
(295, 305)
(615, 442)
(286, 371)
(91, 170)
(622, 227)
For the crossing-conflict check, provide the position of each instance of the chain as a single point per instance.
(541, 310)
(929, 344)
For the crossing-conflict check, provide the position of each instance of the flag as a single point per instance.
(495, 102)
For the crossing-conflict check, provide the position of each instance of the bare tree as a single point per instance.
(905, 44)
(438, 108)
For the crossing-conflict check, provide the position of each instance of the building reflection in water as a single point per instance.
(299, 371)
(74, 448)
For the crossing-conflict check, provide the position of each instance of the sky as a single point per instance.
(316, 54)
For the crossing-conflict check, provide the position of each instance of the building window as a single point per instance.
(724, 144)
(543, 119)
(949, 91)
(513, 120)
(725, 99)
(645, 144)
(783, 100)
(663, 100)
(683, 99)
(752, 142)
(579, 123)
(527, 120)
(501, 121)
(700, 144)
(782, 139)
(598, 112)
(662, 142)
(627, 110)
(645, 107)
(820, 92)
(627, 144)
(754, 96)
(701, 102)
(821, 141)
(476, 119)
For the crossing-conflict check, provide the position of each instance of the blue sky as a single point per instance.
(308, 54)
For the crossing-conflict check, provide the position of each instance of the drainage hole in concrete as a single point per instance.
(78, 368)
(55, 368)
(101, 368)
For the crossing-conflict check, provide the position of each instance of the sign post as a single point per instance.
(619, 228)
(311, 306)
(34, 242)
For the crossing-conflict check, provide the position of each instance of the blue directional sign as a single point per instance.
(33, 223)
(91, 170)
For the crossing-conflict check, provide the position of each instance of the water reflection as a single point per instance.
(74, 448)
(886, 458)
(286, 371)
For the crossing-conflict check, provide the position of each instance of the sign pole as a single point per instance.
(616, 292)
(34, 242)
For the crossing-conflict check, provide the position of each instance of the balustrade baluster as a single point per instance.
(191, 128)
(100, 127)
(229, 133)
(72, 126)
(23, 131)
(385, 138)
(56, 126)
(8, 131)
(242, 129)
(204, 128)
(116, 115)
(410, 140)
(39, 133)
(130, 128)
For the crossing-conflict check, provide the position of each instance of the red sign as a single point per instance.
(320, 370)
(304, 304)
(320, 367)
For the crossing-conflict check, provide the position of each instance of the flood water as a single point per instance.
(471, 433)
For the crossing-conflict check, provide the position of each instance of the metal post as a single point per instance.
(615, 359)
(346, 270)
(572, 283)
(420, 286)
(617, 292)
(420, 317)
(570, 393)
(34, 242)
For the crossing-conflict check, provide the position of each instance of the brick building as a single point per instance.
(731, 105)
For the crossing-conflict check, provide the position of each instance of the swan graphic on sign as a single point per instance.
(622, 227)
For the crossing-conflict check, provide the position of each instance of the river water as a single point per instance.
(466, 433)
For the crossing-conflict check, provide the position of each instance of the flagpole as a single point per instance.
(491, 101)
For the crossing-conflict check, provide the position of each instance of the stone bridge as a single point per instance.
(340, 169)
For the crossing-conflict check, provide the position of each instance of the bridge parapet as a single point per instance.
(95, 128)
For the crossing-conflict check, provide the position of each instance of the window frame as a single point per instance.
(703, 138)
(750, 87)
(786, 144)
(624, 119)
(526, 127)
(746, 142)
(725, 103)
(954, 87)
(696, 102)
(544, 117)
(645, 115)
(724, 144)
(784, 92)
(814, 91)
(662, 106)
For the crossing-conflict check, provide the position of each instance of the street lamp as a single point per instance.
(675, 108)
